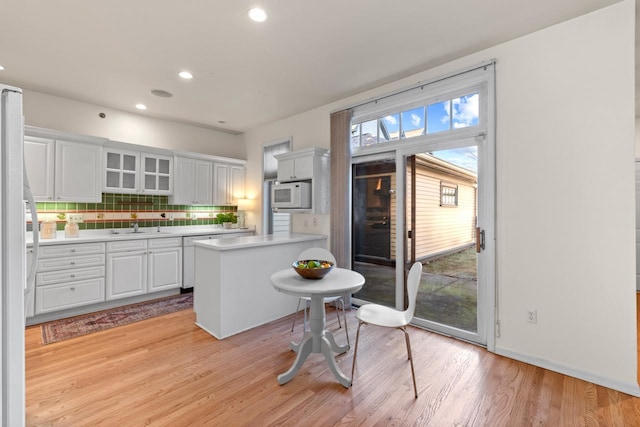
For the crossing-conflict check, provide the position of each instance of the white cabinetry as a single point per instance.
(69, 276)
(130, 171)
(121, 170)
(156, 174)
(126, 268)
(193, 182)
(61, 170)
(39, 162)
(137, 267)
(165, 264)
(296, 169)
(29, 295)
(309, 165)
(228, 183)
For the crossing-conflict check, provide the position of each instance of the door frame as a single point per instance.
(486, 218)
(487, 306)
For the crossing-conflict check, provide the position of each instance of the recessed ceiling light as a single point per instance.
(1, 68)
(257, 14)
(185, 75)
(222, 122)
(141, 106)
(161, 93)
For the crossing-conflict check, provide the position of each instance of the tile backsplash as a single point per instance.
(120, 210)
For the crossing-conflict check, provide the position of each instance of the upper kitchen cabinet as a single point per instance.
(193, 183)
(137, 172)
(297, 168)
(310, 165)
(39, 162)
(121, 170)
(228, 183)
(157, 175)
(62, 167)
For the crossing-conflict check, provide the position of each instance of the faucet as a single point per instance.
(135, 227)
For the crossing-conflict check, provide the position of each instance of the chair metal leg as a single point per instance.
(355, 351)
(338, 313)
(293, 325)
(413, 374)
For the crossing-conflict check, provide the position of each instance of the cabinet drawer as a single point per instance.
(67, 276)
(126, 245)
(70, 262)
(169, 242)
(63, 296)
(75, 249)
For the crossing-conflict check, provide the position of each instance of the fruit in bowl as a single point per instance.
(312, 268)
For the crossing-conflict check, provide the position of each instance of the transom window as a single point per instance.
(441, 116)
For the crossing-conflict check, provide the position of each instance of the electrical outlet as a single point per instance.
(532, 316)
(77, 218)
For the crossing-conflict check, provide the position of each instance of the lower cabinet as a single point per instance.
(70, 294)
(165, 268)
(136, 267)
(126, 268)
(73, 275)
(69, 276)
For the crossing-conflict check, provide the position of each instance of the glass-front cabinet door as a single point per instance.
(121, 171)
(156, 174)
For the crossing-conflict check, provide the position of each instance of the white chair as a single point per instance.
(387, 317)
(325, 255)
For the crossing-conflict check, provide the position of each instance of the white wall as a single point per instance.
(637, 137)
(66, 115)
(565, 191)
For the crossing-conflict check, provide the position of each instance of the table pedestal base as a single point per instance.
(317, 340)
(328, 346)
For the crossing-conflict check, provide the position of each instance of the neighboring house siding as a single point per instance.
(438, 228)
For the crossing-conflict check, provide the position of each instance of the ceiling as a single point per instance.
(246, 74)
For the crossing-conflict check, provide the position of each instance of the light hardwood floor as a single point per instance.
(167, 372)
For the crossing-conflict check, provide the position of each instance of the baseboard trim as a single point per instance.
(631, 388)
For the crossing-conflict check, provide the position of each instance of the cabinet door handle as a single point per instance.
(72, 289)
(73, 275)
(73, 250)
(73, 263)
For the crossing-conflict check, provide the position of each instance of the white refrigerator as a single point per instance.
(13, 257)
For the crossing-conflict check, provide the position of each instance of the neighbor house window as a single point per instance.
(448, 194)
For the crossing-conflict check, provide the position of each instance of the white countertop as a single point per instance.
(145, 233)
(259, 240)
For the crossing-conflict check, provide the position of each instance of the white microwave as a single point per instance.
(291, 195)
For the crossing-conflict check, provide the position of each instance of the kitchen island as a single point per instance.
(232, 291)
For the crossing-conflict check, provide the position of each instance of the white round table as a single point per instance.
(339, 281)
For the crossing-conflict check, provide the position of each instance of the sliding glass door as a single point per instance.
(441, 216)
(426, 204)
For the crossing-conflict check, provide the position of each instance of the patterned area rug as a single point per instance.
(72, 327)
